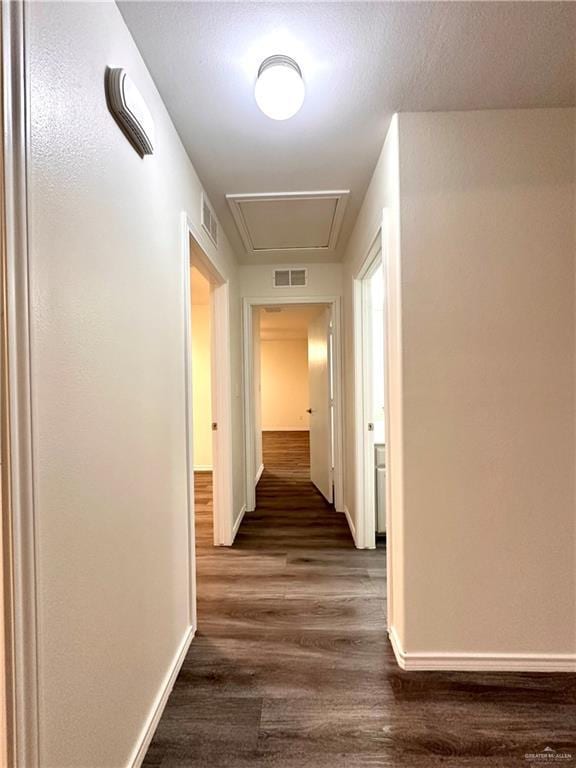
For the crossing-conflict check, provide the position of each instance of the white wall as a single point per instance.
(382, 193)
(323, 280)
(108, 389)
(480, 265)
(284, 384)
(487, 289)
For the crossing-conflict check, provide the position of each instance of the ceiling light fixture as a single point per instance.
(279, 89)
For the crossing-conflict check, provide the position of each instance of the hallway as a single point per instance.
(291, 666)
(355, 220)
(290, 644)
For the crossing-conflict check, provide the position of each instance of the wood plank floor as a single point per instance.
(291, 667)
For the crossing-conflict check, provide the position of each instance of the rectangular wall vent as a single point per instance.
(297, 277)
(209, 223)
(290, 278)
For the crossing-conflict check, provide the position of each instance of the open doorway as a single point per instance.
(201, 364)
(370, 399)
(209, 432)
(292, 405)
(295, 409)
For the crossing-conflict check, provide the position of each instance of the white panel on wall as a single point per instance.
(292, 221)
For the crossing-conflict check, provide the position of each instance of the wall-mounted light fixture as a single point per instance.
(279, 89)
(130, 111)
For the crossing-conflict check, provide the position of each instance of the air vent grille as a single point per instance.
(281, 278)
(209, 222)
(297, 277)
(290, 278)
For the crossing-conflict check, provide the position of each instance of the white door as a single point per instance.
(319, 365)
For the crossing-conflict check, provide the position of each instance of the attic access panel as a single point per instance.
(282, 222)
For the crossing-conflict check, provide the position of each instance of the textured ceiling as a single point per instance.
(361, 63)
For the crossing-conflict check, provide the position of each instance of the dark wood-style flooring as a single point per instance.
(291, 666)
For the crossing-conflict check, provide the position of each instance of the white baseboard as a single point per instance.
(147, 733)
(203, 468)
(286, 429)
(259, 474)
(237, 523)
(351, 526)
(397, 648)
(480, 662)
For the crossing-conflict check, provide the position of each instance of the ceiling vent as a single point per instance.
(290, 278)
(209, 223)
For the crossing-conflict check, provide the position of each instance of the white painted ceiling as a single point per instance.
(361, 62)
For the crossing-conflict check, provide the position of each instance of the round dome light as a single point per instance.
(279, 89)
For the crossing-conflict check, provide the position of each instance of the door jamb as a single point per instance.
(365, 490)
(382, 236)
(249, 421)
(220, 385)
(18, 503)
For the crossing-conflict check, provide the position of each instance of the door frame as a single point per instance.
(365, 500)
(222, 472)
(324, 321)
(365, 484)
(19, 577)
(365, 474)
(248, 304)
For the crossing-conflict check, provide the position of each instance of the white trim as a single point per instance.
(351, 526)
(23, 649)
(202, 467)
(397, 647)
(339, 195)
(221, 381)
(393, 371)
(249, 405)
(358, 403)
(480, 662)
(147, 733)
(365, 485)
(337, 350)
(222, 414)
(238, 522)
(189, 430)
(259, 474)
(248, 370)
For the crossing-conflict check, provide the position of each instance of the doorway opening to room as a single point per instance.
(202, 424)
(209, 398)
(295, 392)
(293, 407)
(370, 398)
